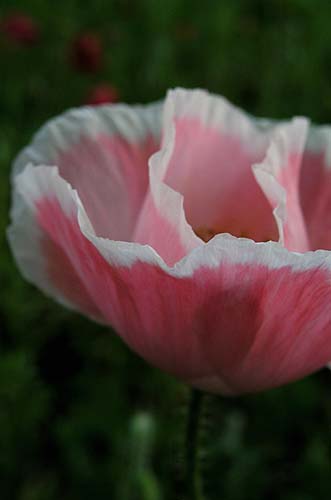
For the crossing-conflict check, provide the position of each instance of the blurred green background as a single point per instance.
(81, 417)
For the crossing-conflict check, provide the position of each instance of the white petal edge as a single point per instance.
(286, 138)
(319, 141)
(217, 112)
(58, 134)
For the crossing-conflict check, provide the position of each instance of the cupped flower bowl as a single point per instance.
(200, 234)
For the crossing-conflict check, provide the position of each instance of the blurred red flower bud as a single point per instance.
(20, 28)
(101, 94)
(86, 53)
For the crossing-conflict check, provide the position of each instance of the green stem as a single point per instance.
(193, 478)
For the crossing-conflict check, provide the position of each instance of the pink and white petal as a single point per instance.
(279, 176)
(262, 314)
(162, 223)
(210, 165)
(315, 187)
(103, 153)
(41, 259)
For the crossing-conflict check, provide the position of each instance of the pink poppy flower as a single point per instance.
(191, 228)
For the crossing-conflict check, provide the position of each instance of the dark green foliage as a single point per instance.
(81, 417)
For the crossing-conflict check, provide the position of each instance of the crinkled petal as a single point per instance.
(315, 187)
(103, 153)
(41, 258)
(279, 177)
(266, 315)
(162, 223)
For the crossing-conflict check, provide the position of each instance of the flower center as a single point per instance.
(207, 233)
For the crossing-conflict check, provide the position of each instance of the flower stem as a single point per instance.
(192, 438)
